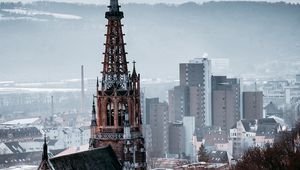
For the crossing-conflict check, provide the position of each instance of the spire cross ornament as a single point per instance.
(133, 63)
(114, 5)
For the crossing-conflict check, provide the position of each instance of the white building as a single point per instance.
(250, 133)
(72, 137)
(189, 129)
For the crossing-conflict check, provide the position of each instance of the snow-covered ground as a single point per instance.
(31, 90)
(32, 13)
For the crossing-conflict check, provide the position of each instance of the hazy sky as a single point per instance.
(142, 1)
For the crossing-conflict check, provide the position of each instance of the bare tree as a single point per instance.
(202, 154)
(282, 155)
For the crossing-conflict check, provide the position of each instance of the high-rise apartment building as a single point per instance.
(193, 96)
(171, 108)
(149, 102)
(253, 105)
(181, 101)
(159, 129)
(225, 101)
(176, 138)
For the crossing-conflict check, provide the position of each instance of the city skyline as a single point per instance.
(228, 96)
(104, 2)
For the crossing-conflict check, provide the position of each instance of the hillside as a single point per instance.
(49, 41)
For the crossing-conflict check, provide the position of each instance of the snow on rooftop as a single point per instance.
(21, 121)
(22, 167)
(278, 120)
(73, 150)
(30, 90)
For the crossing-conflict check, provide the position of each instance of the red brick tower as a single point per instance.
(118, 118)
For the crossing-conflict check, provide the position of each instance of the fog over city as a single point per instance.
(56, 38)
(149, 84)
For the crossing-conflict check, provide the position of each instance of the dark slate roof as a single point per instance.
(247, 124)
(100, 158)
(8, 160)
(26, 158)
(213, 137)
(45, 165)
(265, 121)
(15, 147)
(234, 126)
(19, 133)
(267, 130)
(201, 132)
(218, 157)
(52, 142)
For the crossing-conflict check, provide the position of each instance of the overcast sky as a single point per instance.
(142, 1)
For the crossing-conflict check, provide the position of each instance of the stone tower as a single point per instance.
(118, 117)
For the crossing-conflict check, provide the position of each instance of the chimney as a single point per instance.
(52, 106)
(82, 90)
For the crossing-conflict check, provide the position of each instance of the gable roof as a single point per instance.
(45, 165)
(218, 157)
(52, 142)
(270, 121)
(73, 150)
(215, 137)
(267, 127)
(248, 124)
(15, 147)
(102, 158)
(19, 133)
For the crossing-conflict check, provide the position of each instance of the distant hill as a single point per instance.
(49, 41)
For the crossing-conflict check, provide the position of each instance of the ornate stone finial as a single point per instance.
(94, 121)
(97, 84)
(134, 71)
(45, 149)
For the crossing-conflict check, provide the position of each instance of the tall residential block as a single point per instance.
(176, 138)
(149, 102)
(198, 73)
(225, 101)
(193, 96)
(159, 129)
(181, 102)
(171, 100)
(253, 105)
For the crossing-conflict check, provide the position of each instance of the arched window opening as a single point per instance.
(110, 113)
(121, 114)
